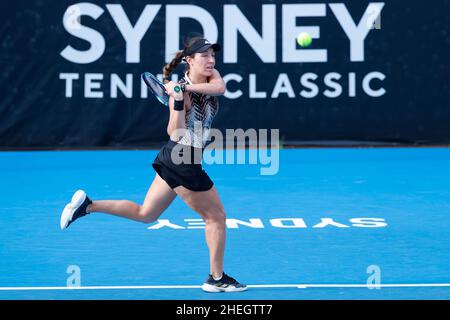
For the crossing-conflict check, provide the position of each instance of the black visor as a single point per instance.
(201, 45)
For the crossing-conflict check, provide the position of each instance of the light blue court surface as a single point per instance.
(307, 229)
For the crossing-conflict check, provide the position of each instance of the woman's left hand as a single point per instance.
(171, 92)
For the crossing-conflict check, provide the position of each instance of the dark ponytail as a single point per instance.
(168, 68)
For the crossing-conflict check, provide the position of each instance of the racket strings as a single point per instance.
(156, 87)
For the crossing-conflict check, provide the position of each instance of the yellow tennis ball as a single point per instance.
(304, 39)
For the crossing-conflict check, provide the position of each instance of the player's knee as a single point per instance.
(146, 215)
(217, 216)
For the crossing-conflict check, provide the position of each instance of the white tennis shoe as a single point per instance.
(75, 209)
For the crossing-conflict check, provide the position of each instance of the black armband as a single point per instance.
(178, 105)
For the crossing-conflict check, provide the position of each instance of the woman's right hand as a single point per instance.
(170, 90)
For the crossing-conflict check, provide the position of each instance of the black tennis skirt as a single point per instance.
(189, 173)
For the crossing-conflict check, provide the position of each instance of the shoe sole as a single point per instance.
(210, 288)
(67, 214)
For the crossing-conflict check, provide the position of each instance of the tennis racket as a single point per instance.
(156, 87)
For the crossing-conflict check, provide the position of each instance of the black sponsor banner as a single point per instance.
(376, 71)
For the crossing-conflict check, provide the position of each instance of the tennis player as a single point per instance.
(193, 105)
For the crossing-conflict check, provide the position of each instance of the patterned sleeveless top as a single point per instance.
(199, 117)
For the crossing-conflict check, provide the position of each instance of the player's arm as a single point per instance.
(177, 110)
(214, 87)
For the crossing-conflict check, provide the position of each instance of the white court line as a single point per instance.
(298, 286)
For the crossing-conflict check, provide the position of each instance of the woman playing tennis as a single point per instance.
(193, 105)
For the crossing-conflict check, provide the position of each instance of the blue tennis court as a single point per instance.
(331, 224)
